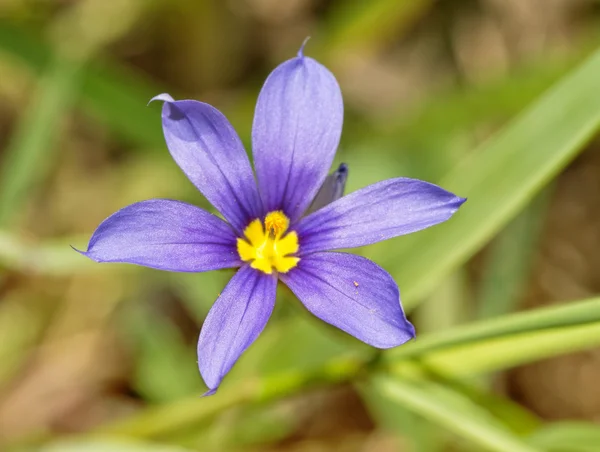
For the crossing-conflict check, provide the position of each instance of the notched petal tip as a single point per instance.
(301, 51)
(164, 97)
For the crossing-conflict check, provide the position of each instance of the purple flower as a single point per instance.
(266, 231)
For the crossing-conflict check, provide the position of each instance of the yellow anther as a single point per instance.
(267, 248)
(276, 223)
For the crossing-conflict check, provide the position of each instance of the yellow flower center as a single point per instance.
(267, 248)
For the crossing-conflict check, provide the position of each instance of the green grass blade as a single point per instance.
(510, 261)
(411, 429)
(52, 257)
(568, 324)
(506, 352)
(29, 152)
(453, 411)
(118, 98)
(449, 305)
(570, 314)
(112, 93)
(501, 178)
(567, 437)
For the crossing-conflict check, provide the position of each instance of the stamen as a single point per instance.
(269, 248)
(276, 223)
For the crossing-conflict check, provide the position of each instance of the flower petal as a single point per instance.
(296, 131)
(234, 322)
(167, 235)
(209, 151)
(332, 189)
(378, 212)
(353, 294)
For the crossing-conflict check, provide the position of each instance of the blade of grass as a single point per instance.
(453, 411)
(501, 178)
(448, 306)
(459, 108)
(506, 352)
(117, 95)
(52, 257)
(510, 260)
(411, 429)
(114, 94)
(567, 437)
(168, 419)
(569, 314)
(30, 152)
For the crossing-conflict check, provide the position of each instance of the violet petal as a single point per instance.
(332, 189)
(167, 235)
(234, 322)
(378, 212)
(209, 151)
(353, 294)
(296, 131)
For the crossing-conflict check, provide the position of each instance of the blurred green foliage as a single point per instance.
(448, 91)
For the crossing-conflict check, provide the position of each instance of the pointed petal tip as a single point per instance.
(164, 97)
(210, 392)
(459, 202)
(301, 51)
(83, 253)
(411, 205)
(88, 254)
(235, 320)
(299, 113)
